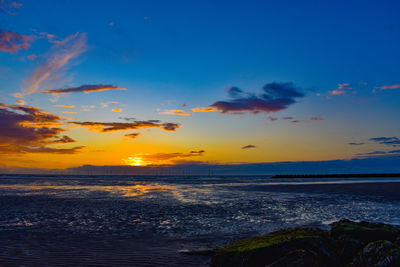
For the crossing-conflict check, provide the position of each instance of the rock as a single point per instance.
(365, 232)
(347, 244)
(381, 253)
(290, 247)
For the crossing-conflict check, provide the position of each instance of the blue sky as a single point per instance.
(179, 55)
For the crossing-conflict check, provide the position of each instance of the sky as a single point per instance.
(170, 82)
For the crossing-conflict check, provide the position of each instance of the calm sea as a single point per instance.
(169, 221)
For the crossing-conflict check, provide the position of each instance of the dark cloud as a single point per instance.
(355, 144)
(288, 118)
(11, 42)
(25, 129)
(52, 150)
(276, 97)
(390, 141)
(132, 135)
(295, 121)
(248, 146)
(63, 140)
(124, 126)
(83, 89)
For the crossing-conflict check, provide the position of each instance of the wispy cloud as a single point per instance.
(316, 119)
(164, 158)
(20, 102)
(175, 112)
(249, 146)
(276, 97)
(69, 112)
(132, 135)
(206, 109)
(341, 89)
(124, 126)
(106, 104)
(57, 59)
(9, 6)
(356, 144)
(83, 89)
(65, 106)
(390, 87)
(390, 141)
(12, 42)
(116, 110)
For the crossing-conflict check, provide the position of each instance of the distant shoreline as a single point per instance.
(360, 175)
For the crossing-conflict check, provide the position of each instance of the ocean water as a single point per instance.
(170, 221)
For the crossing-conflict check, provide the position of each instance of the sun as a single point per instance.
(135, 161)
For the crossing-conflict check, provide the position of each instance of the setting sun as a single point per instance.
(135, 161)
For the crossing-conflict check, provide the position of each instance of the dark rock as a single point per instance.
(381, 253)
(365, 232)
(311, 246)
(347, 244)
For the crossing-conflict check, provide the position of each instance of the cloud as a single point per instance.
(63, 140)
(390, 141)
(52, 150)
(116, 110)
(316, 119)
(165, 158)
(7, 6)
(390, 87)
(106, 104)
(207, 109)
(69, 112)
(176, 112)
(295, 121)
(65, 106)
(248, 146)
(356, 144)
(12, 42)
(380, 153)
(288, 118)
(20, 102)
(132, 135)
(23, 129)
(104, 127)
(57, 59)
(276, 97)
(272, 118)
(341, 89)
(83, 89)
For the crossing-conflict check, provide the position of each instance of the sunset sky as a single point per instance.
(166, 82)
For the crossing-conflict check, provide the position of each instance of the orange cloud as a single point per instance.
(69, 112)
(207, 109)
(176, 112)
(83, 89)
(57, 58)
(20, 102)
(65, 106)
(116, 110)
(337, 92)
(390, 87)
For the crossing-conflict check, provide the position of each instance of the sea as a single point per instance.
(67, 220)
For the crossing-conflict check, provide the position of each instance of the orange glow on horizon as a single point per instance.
(135, 161)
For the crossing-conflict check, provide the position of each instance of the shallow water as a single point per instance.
(145, 221)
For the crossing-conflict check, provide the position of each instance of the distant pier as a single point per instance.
(351, 175)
